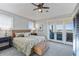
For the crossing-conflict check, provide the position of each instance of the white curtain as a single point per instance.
(30, 25)
(5, 22)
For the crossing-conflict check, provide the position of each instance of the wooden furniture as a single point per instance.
(40, 48)
(5, 42)
(19, 31)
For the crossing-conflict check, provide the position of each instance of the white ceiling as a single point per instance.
(26, 10)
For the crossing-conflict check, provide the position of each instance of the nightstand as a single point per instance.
(10, 41)
(5, 42)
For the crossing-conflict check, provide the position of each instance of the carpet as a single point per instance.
(55, 49)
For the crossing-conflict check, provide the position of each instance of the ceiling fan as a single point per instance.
(40, 7)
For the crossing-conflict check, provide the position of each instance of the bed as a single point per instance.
(29, 44)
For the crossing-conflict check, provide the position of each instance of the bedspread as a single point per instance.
(25, 44)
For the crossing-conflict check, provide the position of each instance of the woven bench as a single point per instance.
(40, 48)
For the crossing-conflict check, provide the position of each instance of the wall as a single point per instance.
(44, 28)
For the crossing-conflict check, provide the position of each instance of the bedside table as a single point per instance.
(5, 42)
(10, 41)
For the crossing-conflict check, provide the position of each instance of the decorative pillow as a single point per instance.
(33, 33)
(13, 34)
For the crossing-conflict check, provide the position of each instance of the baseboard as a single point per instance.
(59, 42)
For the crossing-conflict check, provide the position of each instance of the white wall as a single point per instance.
(44, 28)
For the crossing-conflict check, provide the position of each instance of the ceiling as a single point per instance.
(26, 10)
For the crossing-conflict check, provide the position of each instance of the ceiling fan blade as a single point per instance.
(45, 7)
(34, 4)
(36, 9)
(41, 4)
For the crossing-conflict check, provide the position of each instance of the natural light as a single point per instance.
(5, 22)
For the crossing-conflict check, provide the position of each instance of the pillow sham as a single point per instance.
(26, 34)
(19, 34)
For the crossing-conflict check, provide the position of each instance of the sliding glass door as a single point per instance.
(61, 33)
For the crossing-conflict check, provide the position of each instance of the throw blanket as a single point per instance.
(25, 44)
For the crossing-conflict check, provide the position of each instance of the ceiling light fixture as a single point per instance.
(39, 10)
(40, 7)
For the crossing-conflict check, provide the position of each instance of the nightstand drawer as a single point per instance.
(4, 44)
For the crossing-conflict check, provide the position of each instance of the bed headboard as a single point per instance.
(19, 31)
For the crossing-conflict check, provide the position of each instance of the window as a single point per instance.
(59, 27)
(51, 35)
(69, 37)
(52, 28)
(5, 21)
(30, 25)
(69, 26)
(59, 35)
(69, 32)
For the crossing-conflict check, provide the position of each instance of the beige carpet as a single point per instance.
(55, 49)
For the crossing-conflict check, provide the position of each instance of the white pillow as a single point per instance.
(17, 34)
(26, 34)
